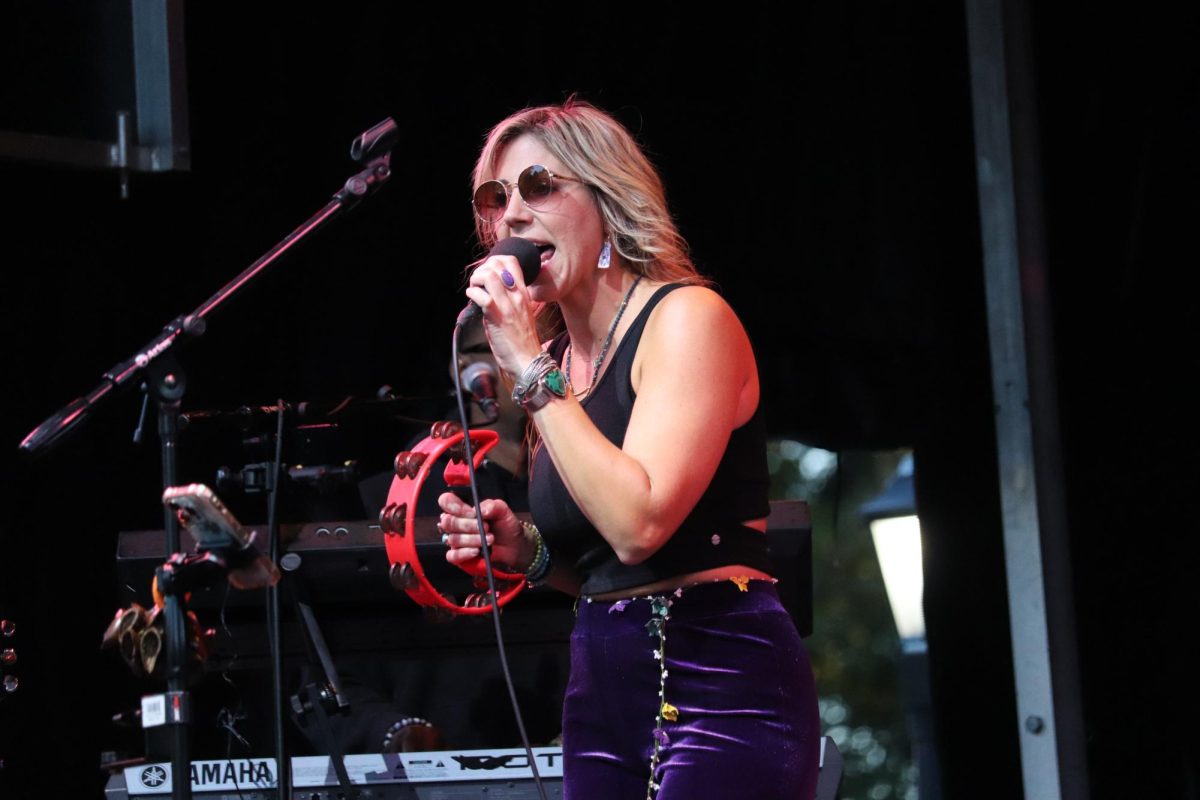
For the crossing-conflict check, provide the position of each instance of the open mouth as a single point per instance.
(546, 251)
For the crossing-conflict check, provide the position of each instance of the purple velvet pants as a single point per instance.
(737, 714)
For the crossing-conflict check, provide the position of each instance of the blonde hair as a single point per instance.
(628, 190)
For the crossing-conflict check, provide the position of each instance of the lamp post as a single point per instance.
(896, 532)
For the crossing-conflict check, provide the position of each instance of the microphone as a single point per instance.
(479, 378)
(527, 255)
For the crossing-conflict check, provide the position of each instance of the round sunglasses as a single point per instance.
(535, 184)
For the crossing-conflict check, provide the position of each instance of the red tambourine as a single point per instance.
(412, 468)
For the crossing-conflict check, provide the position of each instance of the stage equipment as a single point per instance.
(217, 532)
(139, 637)
(343, 567)
(223, 549)
(499, 773)
(165, 381)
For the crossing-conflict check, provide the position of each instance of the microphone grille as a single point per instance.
(526, 252)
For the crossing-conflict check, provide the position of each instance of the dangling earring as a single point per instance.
(605, 256)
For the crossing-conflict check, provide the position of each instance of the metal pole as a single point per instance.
(1027, 443)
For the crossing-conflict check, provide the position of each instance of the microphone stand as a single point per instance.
(373, 150)
(167, 385)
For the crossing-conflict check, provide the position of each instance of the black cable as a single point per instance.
(230, 730)
(283, 771)
(487, 561)
(230, 733)
(228, 667)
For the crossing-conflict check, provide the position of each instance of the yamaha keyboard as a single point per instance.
(497, 774)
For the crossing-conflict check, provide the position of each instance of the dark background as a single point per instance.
(821, 165)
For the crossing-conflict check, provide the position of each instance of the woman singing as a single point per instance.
(648, 484)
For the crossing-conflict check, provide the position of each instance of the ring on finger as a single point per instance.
(507, 278)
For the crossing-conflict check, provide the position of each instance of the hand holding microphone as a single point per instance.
(527, 256)
(509, 319)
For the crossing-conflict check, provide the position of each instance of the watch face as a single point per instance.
(556, 382)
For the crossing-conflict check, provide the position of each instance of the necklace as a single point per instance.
(598, 361)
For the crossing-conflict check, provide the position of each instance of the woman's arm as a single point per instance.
(695, 379)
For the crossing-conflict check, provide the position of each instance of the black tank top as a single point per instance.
(711, 536)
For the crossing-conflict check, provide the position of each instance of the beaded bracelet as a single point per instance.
(539, 568)
(396, 727)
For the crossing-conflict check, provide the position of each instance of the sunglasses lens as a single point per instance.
(536, 184)
(491, 198)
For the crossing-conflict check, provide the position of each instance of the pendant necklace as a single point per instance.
(598, 361)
